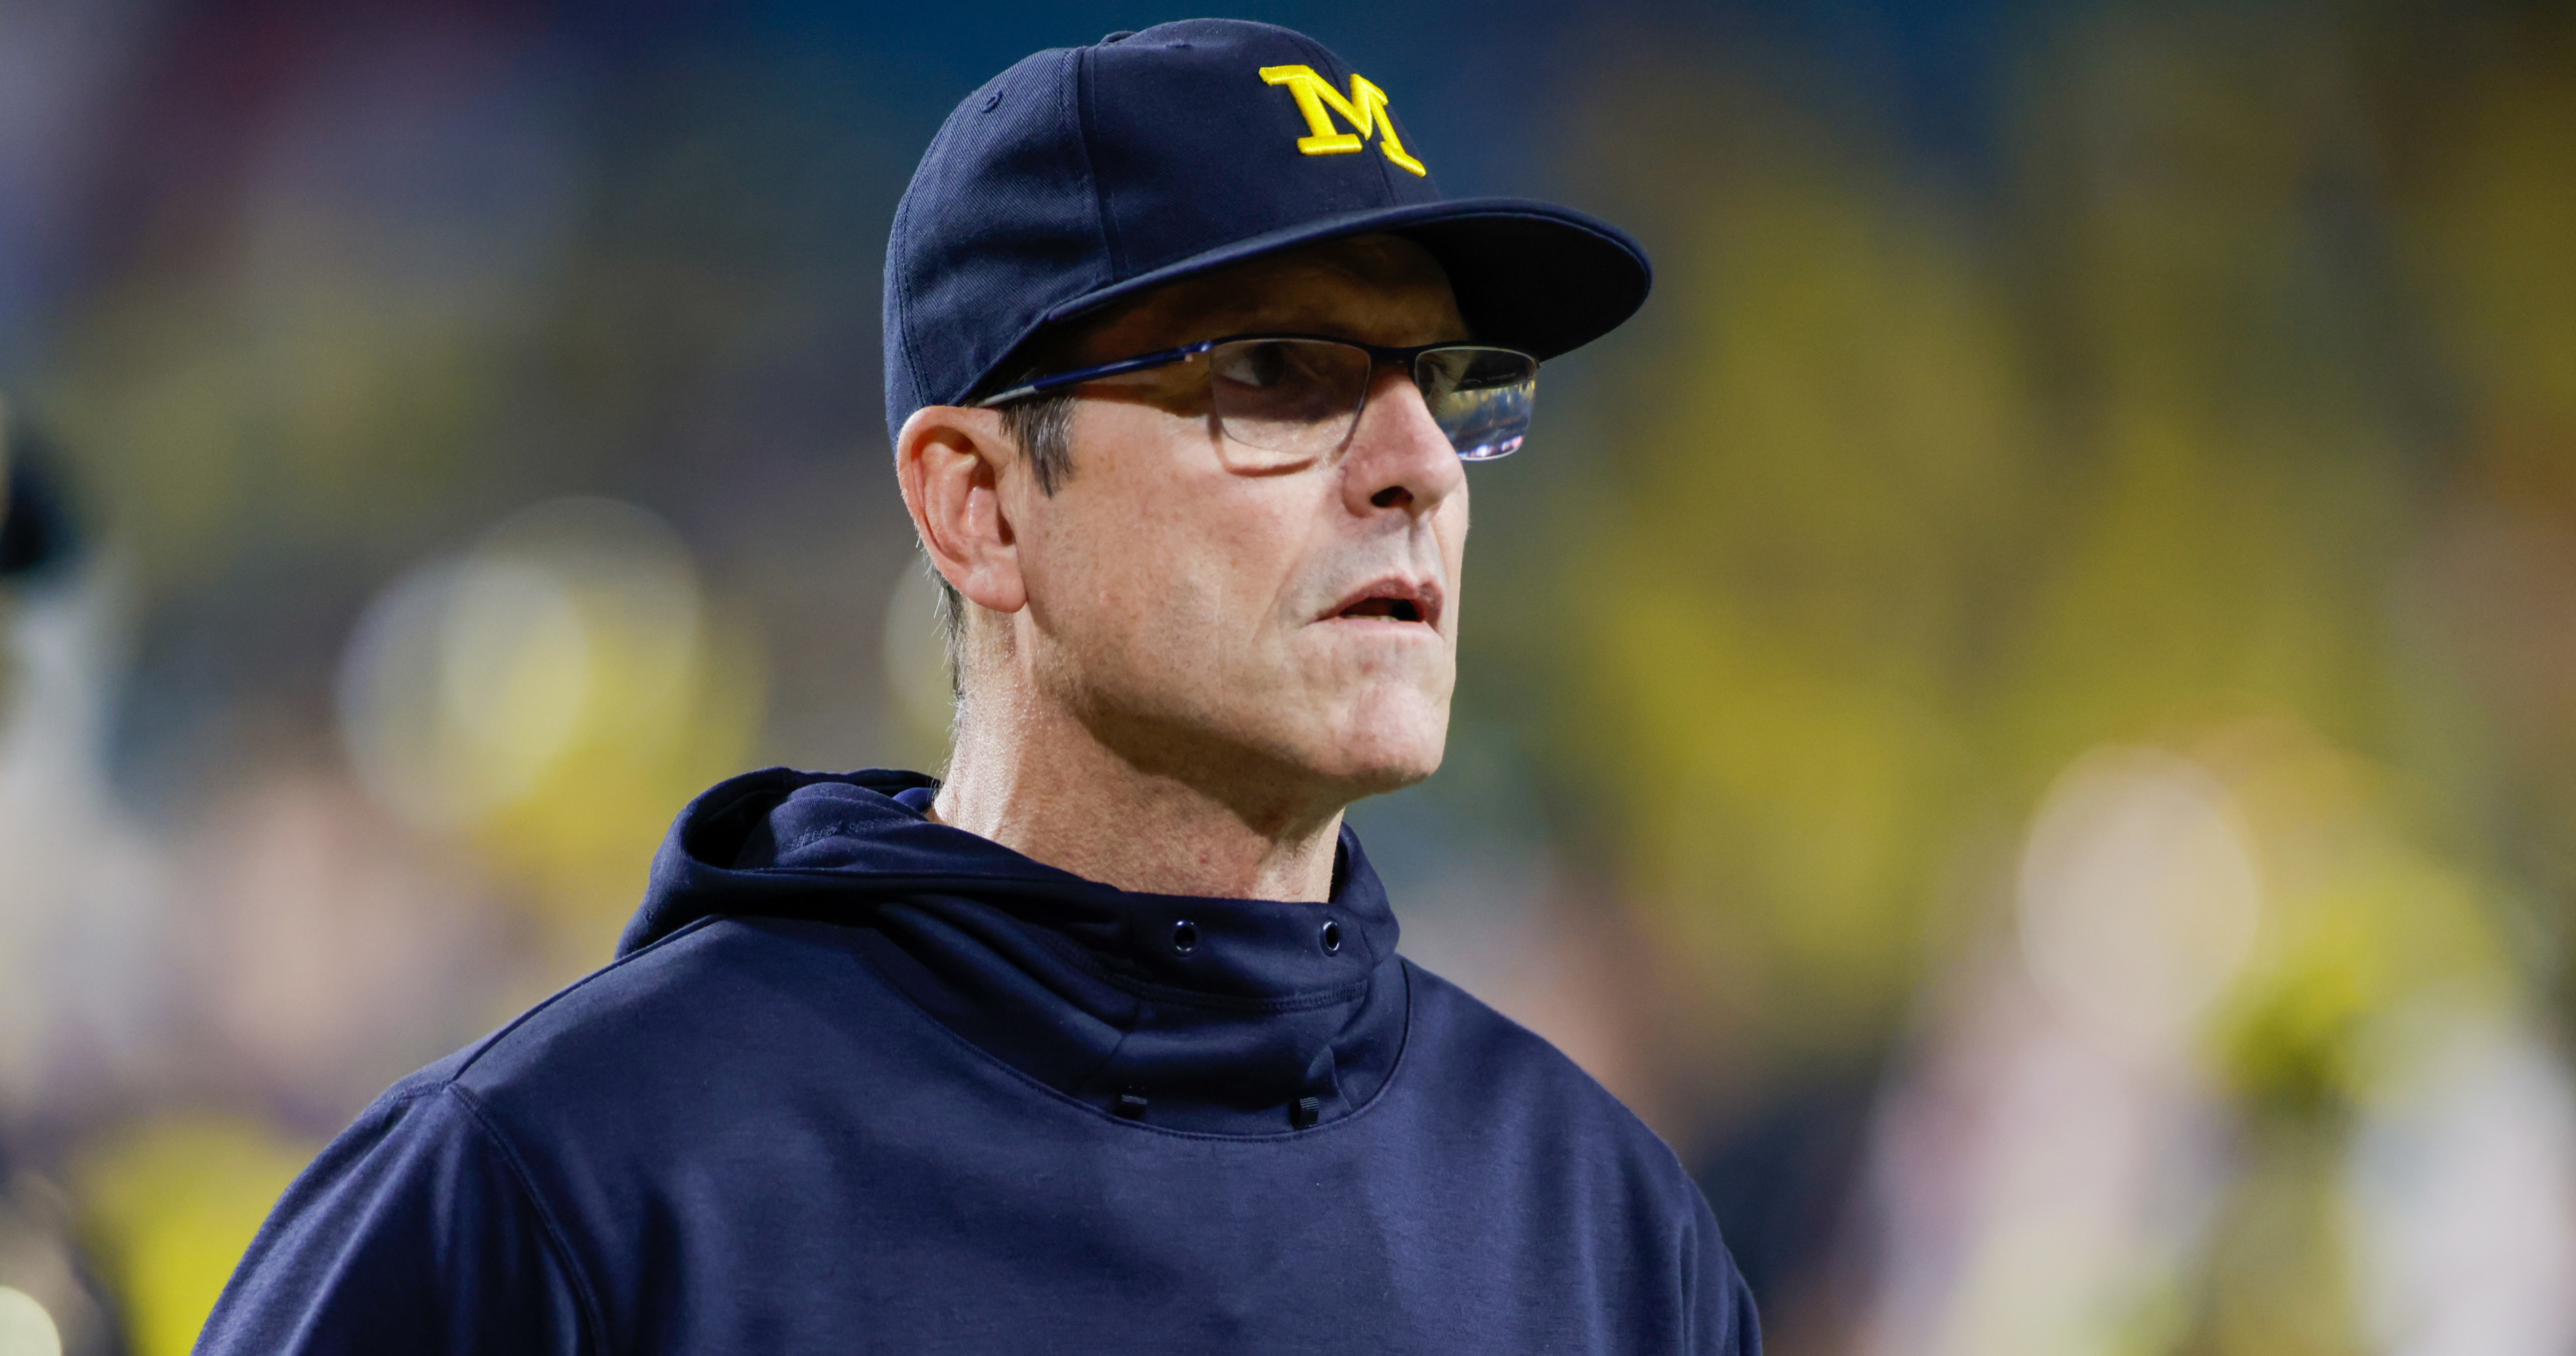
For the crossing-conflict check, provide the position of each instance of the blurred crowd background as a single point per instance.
(2023, 714)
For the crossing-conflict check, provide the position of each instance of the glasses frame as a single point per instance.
(1379, 356)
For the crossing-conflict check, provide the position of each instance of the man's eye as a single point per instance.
(1255, 365)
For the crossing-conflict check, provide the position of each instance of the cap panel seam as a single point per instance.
(1082, 128)
(912, 374)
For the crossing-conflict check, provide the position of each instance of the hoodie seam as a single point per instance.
(1127, 1032)
(1394, 1069)
(1062, 947)
(1073, 953)
(493, 1040)
(557, 1240)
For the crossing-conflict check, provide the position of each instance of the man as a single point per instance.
(1102, 1044)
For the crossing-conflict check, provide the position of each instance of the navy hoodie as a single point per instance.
(860, 1082)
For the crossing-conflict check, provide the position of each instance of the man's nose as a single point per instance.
(1398, 458)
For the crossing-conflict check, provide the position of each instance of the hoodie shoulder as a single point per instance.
(1486, 1077)
(413, 1232)
(1464, 1044)
(719, 997)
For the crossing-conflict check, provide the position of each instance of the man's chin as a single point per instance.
(1374, 762)
(1380, 781)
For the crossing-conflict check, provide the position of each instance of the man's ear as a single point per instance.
(950, 461)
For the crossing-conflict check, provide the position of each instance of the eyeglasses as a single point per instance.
(1299, 395)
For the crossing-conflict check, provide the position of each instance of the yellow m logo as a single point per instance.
(1365, 111)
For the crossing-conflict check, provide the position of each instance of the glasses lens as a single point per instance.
(1291, 396)
(1480, 397)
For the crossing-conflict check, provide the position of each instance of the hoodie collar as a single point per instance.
(1229, 1016)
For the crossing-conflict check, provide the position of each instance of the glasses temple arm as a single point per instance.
(1083, 374)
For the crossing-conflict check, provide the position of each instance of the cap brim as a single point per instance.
(1528, 275)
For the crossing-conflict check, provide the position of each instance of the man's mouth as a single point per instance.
(1399, 600)
(1402, 609)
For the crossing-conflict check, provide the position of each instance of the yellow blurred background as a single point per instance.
(2023, 713)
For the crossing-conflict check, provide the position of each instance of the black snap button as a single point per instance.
(1185, 936)
(994, 102)
(1332, 938)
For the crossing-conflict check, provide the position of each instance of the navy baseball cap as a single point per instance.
(1084, 175)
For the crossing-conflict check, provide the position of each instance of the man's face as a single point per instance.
(1284, 631)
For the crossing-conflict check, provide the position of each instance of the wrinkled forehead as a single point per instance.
(1380, 289)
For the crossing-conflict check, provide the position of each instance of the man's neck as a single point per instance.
(1034, 779)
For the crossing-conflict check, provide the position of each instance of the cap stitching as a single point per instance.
(1082, 102)
(912, 377)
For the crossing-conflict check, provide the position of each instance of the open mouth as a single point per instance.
(1397, 600)
(1401, 609)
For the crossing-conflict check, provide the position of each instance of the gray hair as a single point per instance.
(1041, 427)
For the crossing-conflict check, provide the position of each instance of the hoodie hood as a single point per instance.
(1223, 1016)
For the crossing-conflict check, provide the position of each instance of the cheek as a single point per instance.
(1451, 528)
(1149, 560)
